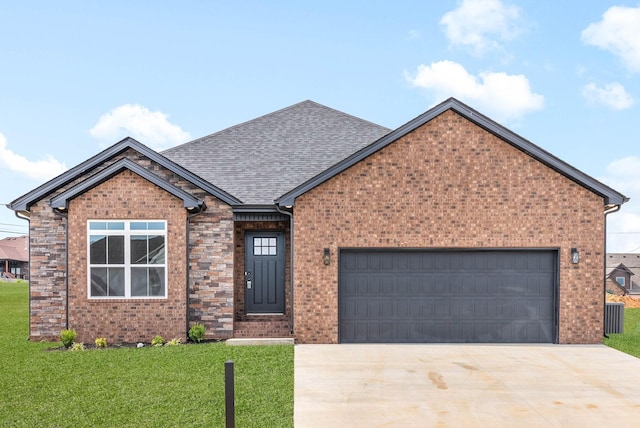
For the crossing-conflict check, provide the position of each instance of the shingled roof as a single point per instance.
(259, 160)
(630, 260)
(15, 248)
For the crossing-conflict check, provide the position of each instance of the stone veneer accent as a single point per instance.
(128, 196)
(211, 269)
(449, 184)
(47, 285)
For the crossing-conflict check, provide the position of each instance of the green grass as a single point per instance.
(629, 340)
(151, 387)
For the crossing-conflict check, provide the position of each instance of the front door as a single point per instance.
(264, 272)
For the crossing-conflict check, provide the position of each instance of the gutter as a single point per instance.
(290, 214)
(607, 211)
(24, 215)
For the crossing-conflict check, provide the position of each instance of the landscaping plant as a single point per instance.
(77, 346)
(157, 341)
(67, 337)
(196, 332)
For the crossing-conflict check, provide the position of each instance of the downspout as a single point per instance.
(290, 214)
(608, 211)
(187, 266)
(24, 216)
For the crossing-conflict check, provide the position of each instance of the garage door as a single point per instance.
(447, 296)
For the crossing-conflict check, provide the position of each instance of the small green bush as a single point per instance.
(67, 337)
(77, 347)
(174, 342)
(196, 332)
(101, 342)
(157, 341)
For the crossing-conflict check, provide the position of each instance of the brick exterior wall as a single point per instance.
(128, 196)
(449, 184)
(613, 287)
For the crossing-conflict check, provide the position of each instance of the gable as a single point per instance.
(81, 171)
(610, 196)
(61, 201)
(449, 171)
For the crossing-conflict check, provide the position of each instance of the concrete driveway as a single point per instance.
(465, 386)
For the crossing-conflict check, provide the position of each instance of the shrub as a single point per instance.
(173, 342)
(77, 347)
(196, 332)
(157, 341)
(101, 342)
(67, 337)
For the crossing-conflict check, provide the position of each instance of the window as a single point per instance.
(264, 246)
(127, 259)
(620, 280)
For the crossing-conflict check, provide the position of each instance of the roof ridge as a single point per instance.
(284, 109)
(346, 114)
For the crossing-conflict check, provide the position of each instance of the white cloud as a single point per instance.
(619, 33)
(613, 95)
(149, 127)
(501, 96)
(623, 227)
(480, 25)
(43, 169)
(414, 35)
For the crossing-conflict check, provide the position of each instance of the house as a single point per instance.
(14, 257)
(620, 272)
(314, 224)
(618, 279)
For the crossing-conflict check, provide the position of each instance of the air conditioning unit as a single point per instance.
(614, 318)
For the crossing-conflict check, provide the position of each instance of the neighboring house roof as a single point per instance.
(15, 248)
(611, 197)
(24, 202)
(621, 267)
(261, 159)
(631, 261)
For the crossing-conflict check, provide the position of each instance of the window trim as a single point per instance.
(127, 232)
(624, 281)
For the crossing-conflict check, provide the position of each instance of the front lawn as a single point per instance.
(167, 386)
(629, 340)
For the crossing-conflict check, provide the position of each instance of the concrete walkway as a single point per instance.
(465, 386)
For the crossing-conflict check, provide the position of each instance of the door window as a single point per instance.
(264, 246)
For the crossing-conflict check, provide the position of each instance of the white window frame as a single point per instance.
(127, 233)
(623, 282)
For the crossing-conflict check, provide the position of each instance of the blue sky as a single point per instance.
(77, 76)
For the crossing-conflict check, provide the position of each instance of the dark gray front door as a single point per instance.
(264, 272)
(447, 296)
